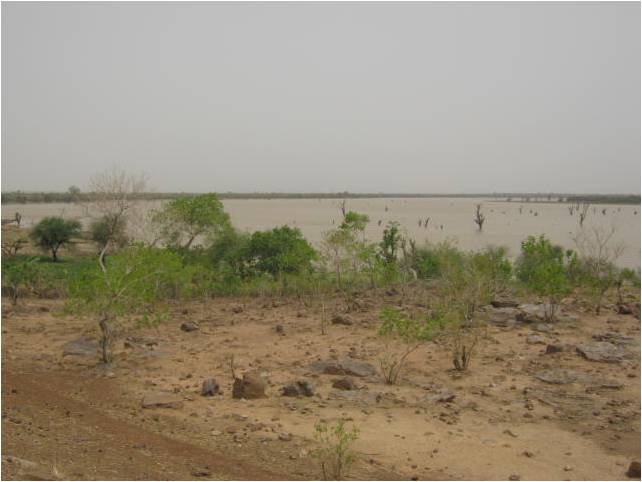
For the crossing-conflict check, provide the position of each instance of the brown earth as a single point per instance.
(68, 417)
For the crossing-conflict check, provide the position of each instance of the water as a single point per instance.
(450, 218)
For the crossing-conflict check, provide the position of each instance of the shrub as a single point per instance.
(108, 229)
(53, 232)
(546, 269)
(18, 273)
(430, 261)
(335, 454)
(133, 282)
(278, 251)
(182, 220)
(403, 336)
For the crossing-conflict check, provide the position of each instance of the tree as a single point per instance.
(278, 251)
(53, 232)
(132, 281)
(109, 228)
(182, 220)
(479, 218)
(391, 242)
(546, 270)
(16, 274)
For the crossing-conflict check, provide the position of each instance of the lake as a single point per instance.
(507, 223)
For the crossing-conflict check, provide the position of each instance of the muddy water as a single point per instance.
(450, 218)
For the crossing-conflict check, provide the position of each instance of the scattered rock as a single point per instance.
(342, 320)
(162, 400)
(559, 376)
(202, 472)
(514, 477)
(346, 383)
(624, 309)
(190, 326)
(535, 340)
(543, 327)
(250, 386)
(443, 397)
(634, 470)
(80, 347)
(601, 351)
(237, 309)
(210, 387)
(298, 388)
(504, 304)
(345, 366)
(530, 313)
(502, 316)
(615, 338)
(554, 349)
(285, 437)
(280, 330)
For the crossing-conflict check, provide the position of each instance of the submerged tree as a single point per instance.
(479, 218)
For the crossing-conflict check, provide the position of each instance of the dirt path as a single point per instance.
(79, 441)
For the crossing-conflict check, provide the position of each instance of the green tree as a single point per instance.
(184, 219)
(53, 232)
(546, 269)
(278, 251)
(18, 273)
(132, 281)
(109, 228)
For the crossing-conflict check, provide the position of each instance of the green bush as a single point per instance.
(334, 453)
(53, 232)
(547, 270)
(17, 274)
(109, 228)
(430, 261)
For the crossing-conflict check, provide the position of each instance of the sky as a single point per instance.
(324, 97)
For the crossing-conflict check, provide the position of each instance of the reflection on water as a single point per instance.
(424, 219)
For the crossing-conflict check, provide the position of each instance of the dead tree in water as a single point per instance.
(479, 218)
(342, 206)
(583, 210)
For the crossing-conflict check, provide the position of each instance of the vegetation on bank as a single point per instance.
(74, 194)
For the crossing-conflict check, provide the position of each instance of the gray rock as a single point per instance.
(543, 327)
(502, 316)
(535, 340)
(443, 396)
(250, 386)
(634, 470)
(210, 387)
(554, 349)
(615, 338)
(162, 400)
(530, 313)
(342, 320)
(602, 351)
(80, 347)
(345, 383)
(559, 376)
(298, 388)
(345, 366)
(190, 326)
(504, 304)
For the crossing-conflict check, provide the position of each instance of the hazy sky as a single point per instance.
(365, 97)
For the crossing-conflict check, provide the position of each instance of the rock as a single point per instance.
(535, 340)
(202, 472)
(345, 366)
(80, 347)
(250, 386)
(543, 327)
(162, 400)
(502, 316)
(298, 388)
(504, 304)
(625, 309)
(530, 313)
(237, 309)
(559, 376)
(514, 477)
(28, 470)
(615, 338)
(634, 470)
(285, 437)
(443, 397)
(280, 330)
(346, 383)
(554, 349)
(601, 351)
(342, 320)
(210, 387)
(190, 326)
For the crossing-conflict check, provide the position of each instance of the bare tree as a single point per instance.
(583, 210)
(479, 218)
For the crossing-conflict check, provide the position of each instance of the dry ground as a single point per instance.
(76, 419)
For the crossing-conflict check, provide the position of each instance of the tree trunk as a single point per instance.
(54, 254)
(105, 340)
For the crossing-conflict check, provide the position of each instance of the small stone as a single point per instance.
(190, 326)
(298, 388)
(514, 477)
(554, 349)
(210, 387)
(237, 309)
(285, 437)
(634, 470)
(342, 320)
(250, 386)
(528, 454)
(162, 400)
(346, 383)
(201, 472)
(535, 340)
(567, 468)
(280, 330)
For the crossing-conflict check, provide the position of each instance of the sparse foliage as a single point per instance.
(335, 454)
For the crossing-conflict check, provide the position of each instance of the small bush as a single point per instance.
(547, 270)
(53, 232)
(335, 454)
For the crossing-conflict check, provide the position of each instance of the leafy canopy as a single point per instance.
(53, 232)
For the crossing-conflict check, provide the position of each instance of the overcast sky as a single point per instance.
(365, 97)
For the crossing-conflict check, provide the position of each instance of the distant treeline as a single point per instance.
(22, 197)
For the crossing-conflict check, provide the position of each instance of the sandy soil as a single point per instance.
(68, 417)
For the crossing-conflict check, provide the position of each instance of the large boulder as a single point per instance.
(346, 366)
(250, 386)
(602, 351)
